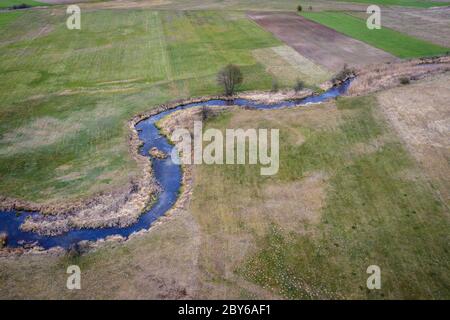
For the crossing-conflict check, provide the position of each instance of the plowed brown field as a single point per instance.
(319, 43)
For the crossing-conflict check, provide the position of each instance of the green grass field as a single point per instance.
(404, 3)
(394, 42)
(66, 95)
(10, 3)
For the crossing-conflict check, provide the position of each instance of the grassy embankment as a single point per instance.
(394, 42)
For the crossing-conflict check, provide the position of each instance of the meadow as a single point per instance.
(404, 3)
(5, 19)
(394, 42)
(344, 198)
(428, 25)
(348, 195)
(66, 95)
(289, 5)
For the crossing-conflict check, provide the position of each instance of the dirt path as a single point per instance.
(319, 43)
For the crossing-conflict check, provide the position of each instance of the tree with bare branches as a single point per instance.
(229, 78)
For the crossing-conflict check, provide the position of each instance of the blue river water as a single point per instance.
(168, 175)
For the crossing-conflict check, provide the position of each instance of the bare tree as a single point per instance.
(230, 77)
(299, 85)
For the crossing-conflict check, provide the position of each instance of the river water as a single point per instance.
(168, 175)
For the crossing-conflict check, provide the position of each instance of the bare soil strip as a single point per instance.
(288, 65)
(319, 43)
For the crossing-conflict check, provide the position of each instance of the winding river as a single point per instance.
(168, 175)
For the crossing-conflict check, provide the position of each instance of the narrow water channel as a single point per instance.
(168, 175)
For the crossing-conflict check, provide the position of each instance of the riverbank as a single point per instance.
(116, 209)
(124, 209)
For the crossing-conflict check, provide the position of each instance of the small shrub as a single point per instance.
(310, 8)
(207, 113)
(404, 80)
(275, 86)
(3, 240)
(299, 8)
(299, 85)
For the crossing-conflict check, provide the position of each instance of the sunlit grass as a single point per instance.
(394, 42)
